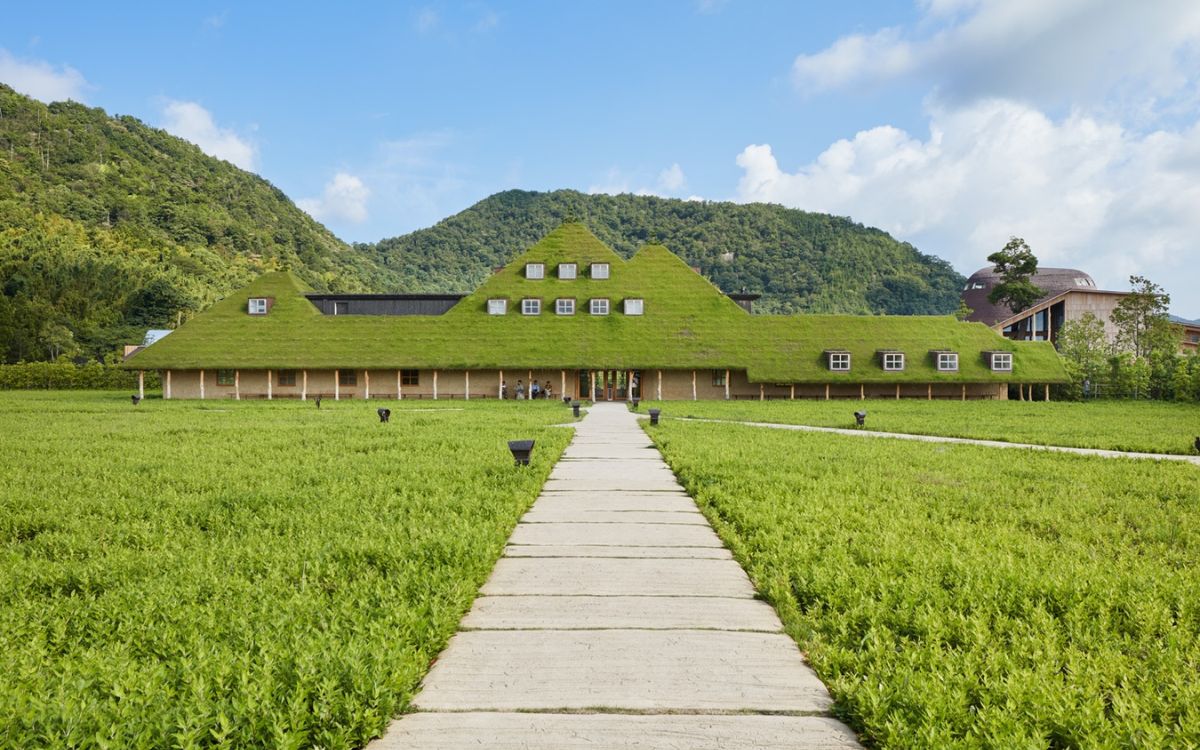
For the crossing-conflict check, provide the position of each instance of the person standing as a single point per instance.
(533, 389)
(503, 389)
(547, 391)
(520, 391)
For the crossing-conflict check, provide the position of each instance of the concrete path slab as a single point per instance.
(535, 731)
(616, 619)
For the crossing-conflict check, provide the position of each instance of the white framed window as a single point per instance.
(497, 307)
(839, 361)
(566, 270)
(531, 307)
(599, 270)
(1001, 361)
(564, 307)
(258, 306)
(947, 361)
(634, 306)
(535, 270)
(893, 361)
(598, 307)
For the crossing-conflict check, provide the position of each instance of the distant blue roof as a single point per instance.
(154, 334)
(1184, 321)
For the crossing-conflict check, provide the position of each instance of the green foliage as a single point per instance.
(1142, 319)
(1144, 427)
(798, 261)
(965, 597)
(181, 574)
(1016, 264)
(1085, 351)
(65, 375)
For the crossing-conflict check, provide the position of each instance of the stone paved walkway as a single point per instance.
(616, 619)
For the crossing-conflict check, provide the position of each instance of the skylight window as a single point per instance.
(893, 361)
(257, 306)
(564, 307)
(947, 361)
(535, 270)
(839, 361)
(599, 270)
(531, 307)
(497, 307)
(599, 307)
(566, 270)
(1002, 361)
(634, 306)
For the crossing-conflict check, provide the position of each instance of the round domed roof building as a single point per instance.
(1052, 282)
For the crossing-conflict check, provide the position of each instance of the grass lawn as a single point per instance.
(957, 596)
(1144, 426)
(242, 574)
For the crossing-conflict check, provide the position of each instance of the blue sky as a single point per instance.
(950, 123)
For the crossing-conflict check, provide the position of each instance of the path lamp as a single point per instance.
(136, 399)
(860, 418)
(520, 450)
(567, 400)
(636, 401)
(575, 408)
(654, 416)
(384, 415)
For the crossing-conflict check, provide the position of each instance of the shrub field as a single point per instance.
(958, 596)
(1142, 426)
(242, 574)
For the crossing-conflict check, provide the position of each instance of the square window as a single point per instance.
(839, 361)
(535, 270)
(225, 377)
(599, 307)
(634, 306)
(258, 306)
(564, 306)
(599, 270)
(497, 306)
(947, 361)
(1002, 361)
(893, 361)
(566, 270)
(347, 377)
(718, 378)
(286, 377)
(531, 307)
(410, 377)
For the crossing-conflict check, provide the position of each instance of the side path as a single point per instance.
(617, 619)
(961, 441)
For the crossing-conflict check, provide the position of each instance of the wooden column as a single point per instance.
(168, 383)
(237, 385)
(466, 385)
(304, 385)
(792, 395)
(897, 391)
(435, 385)
(270, 377)
(337, 385)
(862, 391)
(399, 387)
(658, 392)
(964, 396)
(693, 385)
(762, 392)
(727, 385)
(141, 383)
(563, 392)
(827, 391)
(591, 385)
(629, 385)
(366, 385)
(500, 384)
(929, 391)
(1047, 391)
(202, 385)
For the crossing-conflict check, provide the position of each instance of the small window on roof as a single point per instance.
(497, 307)
(531, 306)
(893, 361)
(535, 270)
(257, 306)
(1002, 361)
(634, 306)
(839, 361)
(598, 307)
(947, 361)
(564, 306)
(599, 270)
(566, 270)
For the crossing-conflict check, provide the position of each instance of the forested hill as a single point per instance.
(799, 261)
(109, 227)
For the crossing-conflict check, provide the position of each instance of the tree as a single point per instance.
(58, 340)
(1016, 265)
(964, 311)
(1141, 318)
(1084, 349)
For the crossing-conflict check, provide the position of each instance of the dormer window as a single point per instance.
(946, 361)
(564, 307)
(839, 361)
(566, 270)
(1000, 361)
(634, 306)
(600, 271)
(531, 307)
(497, 307)
(535, 270)
(257, 306)
(892, 361)
(598, 307)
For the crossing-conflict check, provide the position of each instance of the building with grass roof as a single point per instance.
(581, 321)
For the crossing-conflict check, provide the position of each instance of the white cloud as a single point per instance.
(672, 179)
(488, 21)
(41, 80)
(194, 123)
(215, 21)
(668, 184)
(427, 20)
(343, 199)
(1083, 192)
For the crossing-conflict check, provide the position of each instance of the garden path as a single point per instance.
(617, 619)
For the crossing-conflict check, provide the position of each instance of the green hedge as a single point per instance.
(69, 376)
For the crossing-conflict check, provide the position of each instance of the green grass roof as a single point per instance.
(688, 323)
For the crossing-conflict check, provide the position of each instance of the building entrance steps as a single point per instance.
(617, 619)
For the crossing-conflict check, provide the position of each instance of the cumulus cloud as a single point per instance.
(194, 123)
(41, 80)
(427, 20)
(669, 183)
(672, 179)
(1083, 191)
(343, 199)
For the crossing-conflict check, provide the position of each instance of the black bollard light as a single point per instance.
(318, 400)
(636, 401)
(860, 418)
(136, 399)
(520, 450)
(567, 400)
(384, 415)
(575, 407)
(654, 416)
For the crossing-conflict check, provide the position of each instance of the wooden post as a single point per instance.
(591, 385)
(466, 385)
(897, 391)
(827, 391)
(629, 385)
(762, 392)
(269, 379)
(237, 385)
(366, 385)
(1047, 391)
(202, 385)
(658, 393)
(1020, 391)
(399, 387)
(141, 384)
(964, 396)
(792, 396)
(304, 385)
(563, 374)
(168, 383)
(862, 391)
(337, 385)
(929, 391)
(693, 385)
(435, 385)
(727, 385)
(500, 384)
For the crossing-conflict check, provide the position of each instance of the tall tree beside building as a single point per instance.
(1016, 264)
(1085, 352)
(1142, 321)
